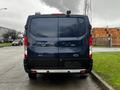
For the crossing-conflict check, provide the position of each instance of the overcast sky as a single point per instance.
(104, 12)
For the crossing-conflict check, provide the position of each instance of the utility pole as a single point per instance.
(85, 7)
(88, 9)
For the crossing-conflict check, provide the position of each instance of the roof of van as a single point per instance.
(57, 15)
(30, 17)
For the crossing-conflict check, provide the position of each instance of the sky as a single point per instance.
(104, 12)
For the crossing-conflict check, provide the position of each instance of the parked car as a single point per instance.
(17, 43)
(57, 43)
(1, 39)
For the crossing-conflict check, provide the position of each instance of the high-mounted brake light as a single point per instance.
(25, 47)
(58, 14)
(90, 46)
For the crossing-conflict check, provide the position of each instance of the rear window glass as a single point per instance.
(44, 27)
(52, 27)
(71, 27)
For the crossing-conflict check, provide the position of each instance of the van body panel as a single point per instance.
(58, 42)
(43, 39)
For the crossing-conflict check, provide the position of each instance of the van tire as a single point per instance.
(32, 76)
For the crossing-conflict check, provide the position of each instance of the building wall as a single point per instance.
(106, 36)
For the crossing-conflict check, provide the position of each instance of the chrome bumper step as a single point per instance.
(58, 70)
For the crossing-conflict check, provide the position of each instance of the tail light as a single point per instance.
(25, 47)
(90, 46)
(90, 41)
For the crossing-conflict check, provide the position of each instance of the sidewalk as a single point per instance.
(102, 49)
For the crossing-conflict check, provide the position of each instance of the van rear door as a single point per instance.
(43, 39)
(73, 38)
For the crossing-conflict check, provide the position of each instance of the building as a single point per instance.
(106, 36)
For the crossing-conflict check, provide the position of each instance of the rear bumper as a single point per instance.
(58, 70)
(66, 66)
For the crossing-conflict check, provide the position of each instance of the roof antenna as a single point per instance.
(37, 13)
(68, 12)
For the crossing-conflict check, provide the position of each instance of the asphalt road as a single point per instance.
(13, 77)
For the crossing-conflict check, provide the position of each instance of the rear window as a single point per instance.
(52, 27)
(44, 27)
(71, 27)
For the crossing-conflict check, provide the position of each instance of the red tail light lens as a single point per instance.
(25, 40)
(90, 41)
(90, 47)
(25, 47)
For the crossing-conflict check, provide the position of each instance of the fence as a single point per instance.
(106, 41)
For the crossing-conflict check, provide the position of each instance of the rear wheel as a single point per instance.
(32, 76)
(84, 74)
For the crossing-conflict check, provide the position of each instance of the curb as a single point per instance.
(1, 46)
(101, 82)
(4, 46)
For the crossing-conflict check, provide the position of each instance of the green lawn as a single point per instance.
(107, 65)
(5, 44)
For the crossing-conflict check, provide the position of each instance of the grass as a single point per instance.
(99, 46)
(5, 44)
(107, 65)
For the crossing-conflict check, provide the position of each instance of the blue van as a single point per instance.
(57, 43)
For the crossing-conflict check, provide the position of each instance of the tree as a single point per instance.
(10, 35)
(5, 36)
